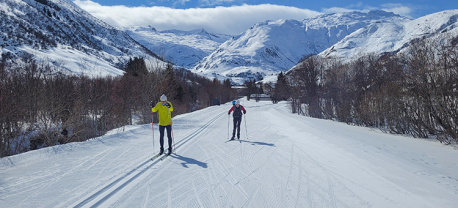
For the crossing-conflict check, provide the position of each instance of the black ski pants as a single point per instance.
(169, 136)
(237, 121)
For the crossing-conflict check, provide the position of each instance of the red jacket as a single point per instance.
(235, 111)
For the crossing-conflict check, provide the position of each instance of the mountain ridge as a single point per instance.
(393, 37)
(183, 48)
(270, 47)
(60, 31)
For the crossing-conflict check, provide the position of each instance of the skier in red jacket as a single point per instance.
(237, 118)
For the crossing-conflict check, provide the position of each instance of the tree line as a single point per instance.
(41, 107)
(412, 92)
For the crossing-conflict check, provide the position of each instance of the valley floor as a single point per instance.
(282, 160)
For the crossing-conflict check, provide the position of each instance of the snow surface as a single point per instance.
(270, 47)
(383, 37)
(183, 48)
(70, 39)
(283, 160)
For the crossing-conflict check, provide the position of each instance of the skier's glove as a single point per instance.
(152, 104)
(168, 105)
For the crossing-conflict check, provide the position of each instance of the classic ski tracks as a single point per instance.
(102, 195)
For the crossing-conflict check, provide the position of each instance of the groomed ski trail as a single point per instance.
(103, 195)
(287, 161)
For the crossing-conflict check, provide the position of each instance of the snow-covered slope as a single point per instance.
(283, 160)
(66, 36)
(384, 37)
(273, 46)
(183, 48)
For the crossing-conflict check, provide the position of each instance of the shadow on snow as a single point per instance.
(258, 143)
(189, 161)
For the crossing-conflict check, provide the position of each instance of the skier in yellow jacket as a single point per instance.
(165, 122)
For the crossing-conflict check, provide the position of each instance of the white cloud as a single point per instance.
(400, 9)
(228, 20)
(180, 2)
(213, 2)
(337, 10)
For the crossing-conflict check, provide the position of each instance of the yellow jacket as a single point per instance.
(165, 117)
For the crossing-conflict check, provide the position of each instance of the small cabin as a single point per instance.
(260, 97)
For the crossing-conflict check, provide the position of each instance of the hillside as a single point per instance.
(67, 37)
(273, 46)
(183, 48)
(391, 37)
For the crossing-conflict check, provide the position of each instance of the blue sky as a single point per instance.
(235, 16)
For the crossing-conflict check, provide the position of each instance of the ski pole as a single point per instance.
(173, 139)
(246, 127)
(152, 126)
(228, 118)
(171, 129)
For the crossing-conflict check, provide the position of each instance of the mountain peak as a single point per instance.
(61, 32)
(393, 36)
(270, 47)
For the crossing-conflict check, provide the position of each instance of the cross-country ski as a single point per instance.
(155, 156)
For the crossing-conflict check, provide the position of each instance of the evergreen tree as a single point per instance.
(169, 83)
(281, 91)
(136, 67)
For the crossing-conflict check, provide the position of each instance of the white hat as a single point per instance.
(237, 102)
(163, 98)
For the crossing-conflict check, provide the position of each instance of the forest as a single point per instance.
(41, 106)
(412, 92)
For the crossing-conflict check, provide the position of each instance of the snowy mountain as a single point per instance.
(183, 48)
(282, 160)
(65, 35)
(273, 46)
(381, 37)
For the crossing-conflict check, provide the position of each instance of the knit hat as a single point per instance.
(237, 102)
(163, 98)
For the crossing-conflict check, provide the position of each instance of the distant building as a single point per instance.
(260, 97)
(240, 90)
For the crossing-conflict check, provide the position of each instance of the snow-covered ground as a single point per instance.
(283, 160)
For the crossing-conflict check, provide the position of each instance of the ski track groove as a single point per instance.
(144, 201)
(308, 185)
(332, 174)
(250, 198)
(115, 182)
(61, 176)
(121, 164)
(196, 193)
(100, 158)
(291, 165)
(109, 165)
(169, 195)
(26, 187)
(330, 191)
(209, 178)
(237, 182)
(223, 170)
(299, 184)
(252, 173)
